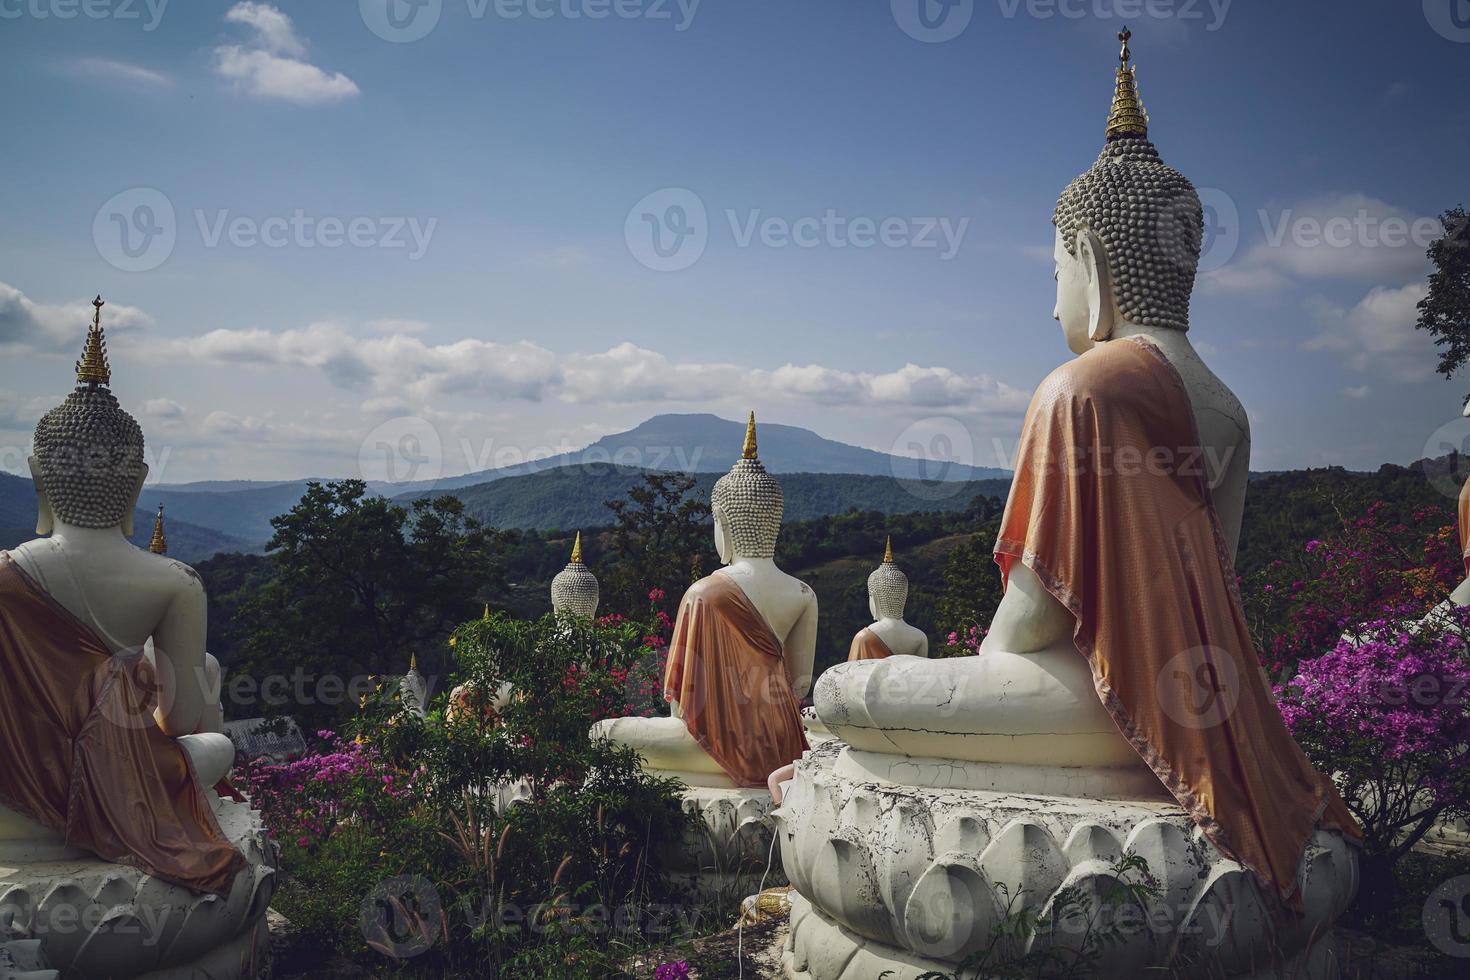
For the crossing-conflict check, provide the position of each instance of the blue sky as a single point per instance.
(496, 172)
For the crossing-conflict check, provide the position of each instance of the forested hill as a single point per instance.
(576, 496)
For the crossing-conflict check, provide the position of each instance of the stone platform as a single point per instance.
(93, 918)
(912, 880)
(725, 854)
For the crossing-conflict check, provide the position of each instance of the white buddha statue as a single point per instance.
(575, 593)
(740, 658)
(88, 469)
(1117, 699)
(888, 634)
(413, 689)
(111, 727)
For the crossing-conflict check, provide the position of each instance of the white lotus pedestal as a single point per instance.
(906, 879)
(92, 918)
(725, 853)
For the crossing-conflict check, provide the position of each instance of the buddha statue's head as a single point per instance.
(1128, 232)
(574, 591)
(747, 503)
(88, 460)
(888, 588)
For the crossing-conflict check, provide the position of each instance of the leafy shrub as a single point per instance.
(403, 838)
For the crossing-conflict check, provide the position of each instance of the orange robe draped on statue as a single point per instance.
(1465, 525)
(733, 685)
(83, 754)
(867, 645)
(1111, 509)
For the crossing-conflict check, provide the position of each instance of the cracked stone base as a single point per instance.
(920, 878)
(727, 852)
(98, 919)
(817, 948)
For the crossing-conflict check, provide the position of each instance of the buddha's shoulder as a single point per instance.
(1098, 373)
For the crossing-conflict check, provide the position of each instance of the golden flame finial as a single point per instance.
(888, 551)
(1127, 118)
(413, 662)
(577, 550)
(748, 451)
(92, 369)
(159, 544)
(486, 617)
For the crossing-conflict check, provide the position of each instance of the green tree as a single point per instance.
(661, 539)
(972, 590)
(360, 584)
(1445, 312)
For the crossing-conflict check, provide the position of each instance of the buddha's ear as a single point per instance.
(45, 517)
(722, 537)
(127, 524)
(1101, 316)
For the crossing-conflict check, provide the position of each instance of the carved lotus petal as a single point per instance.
(962, 832)
(908, 835)
(59, 918)
(1228, 925)
(121, 937)
(845, 881)
(1024, 863)
(1089, 905)
(202, 926)
(1092, 842)
(953, 909)
(18, 903)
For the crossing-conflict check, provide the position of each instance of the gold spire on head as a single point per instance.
(577, 550)
(1127, 118)
(159, 544)
(888, 551)
(486, 617)
(748, 451)
(92, 368)
(413, 662)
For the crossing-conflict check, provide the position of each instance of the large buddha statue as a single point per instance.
(110, 722)
(741, 654)
(888, 594)
(1117, 703)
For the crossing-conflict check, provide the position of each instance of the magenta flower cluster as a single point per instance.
(1403, 694)
(672, 971)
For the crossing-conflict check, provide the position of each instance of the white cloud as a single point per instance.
(45, 328)
(1358, 392)
(1344, 237)
(122, 71)
(273, 66)
(1378, 334)
(273, 29)
(163, 409)
(399, 369)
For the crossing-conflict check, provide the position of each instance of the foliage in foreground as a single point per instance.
(401, 837)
